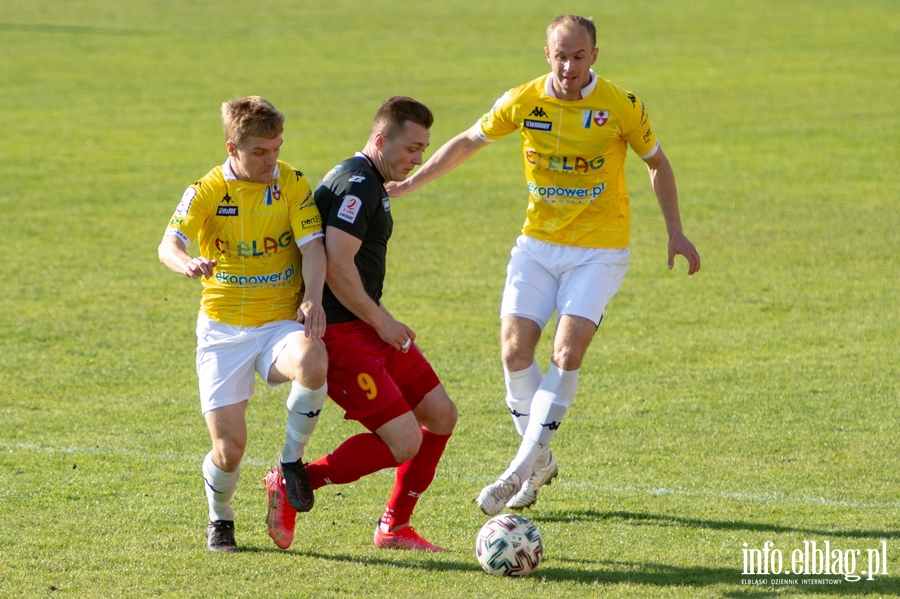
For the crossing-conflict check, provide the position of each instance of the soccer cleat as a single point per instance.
(527, 496)
(220, 536)
(281, 516)
(299, 491)
(405, 538)
(493, 497)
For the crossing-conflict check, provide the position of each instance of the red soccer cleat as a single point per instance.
(281, 516)
(405, 538)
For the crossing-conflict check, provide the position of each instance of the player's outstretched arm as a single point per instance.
(172, 252)
(343, 280)
(448, 157)
(663, 180)
(311, 313)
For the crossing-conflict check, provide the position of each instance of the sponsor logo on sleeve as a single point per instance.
(308, 201)
(356, 179)
(350, 209)
(386, 202)
(539, 125)
(185, 204)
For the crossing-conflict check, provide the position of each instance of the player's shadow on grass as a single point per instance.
(644, 519)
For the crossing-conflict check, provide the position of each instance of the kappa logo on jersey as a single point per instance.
(298, 174)
(538, 112)
(539, 125)
(357, 179)
(185, 204)
(226, 199)
(598, 117)
(633, 99)
(349, 209)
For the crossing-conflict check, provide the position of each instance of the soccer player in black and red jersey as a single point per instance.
(376, 373)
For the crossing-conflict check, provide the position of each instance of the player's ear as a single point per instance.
(229, 145)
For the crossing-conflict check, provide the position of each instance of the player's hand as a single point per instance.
(679, 244)
(396, 189)
(312, 316)
(397, 335)
(199, 267)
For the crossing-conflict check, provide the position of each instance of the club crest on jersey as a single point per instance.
(350, 209)
(273, 191)
(597, 117)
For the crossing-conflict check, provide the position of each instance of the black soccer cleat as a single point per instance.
(299, 491)
(220, 536)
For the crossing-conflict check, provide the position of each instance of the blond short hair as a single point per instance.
(569, 21)
(252, 116)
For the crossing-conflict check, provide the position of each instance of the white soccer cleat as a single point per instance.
(527, 496)
(493, 497)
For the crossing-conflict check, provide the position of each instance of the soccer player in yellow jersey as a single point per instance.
(575, 129)
(262, 266)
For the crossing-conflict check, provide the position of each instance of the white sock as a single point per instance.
(303, 407)
(220, 486)
(549, 407)
(521, 386)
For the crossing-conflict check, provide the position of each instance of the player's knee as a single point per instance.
(406, 446)
(567, 357)
(515, 357)
(227, 456)
(313, 365)
(443, 418)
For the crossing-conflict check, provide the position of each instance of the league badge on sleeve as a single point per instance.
(185, 204)
(349, 208)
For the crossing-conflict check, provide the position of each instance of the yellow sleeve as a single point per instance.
(636, 127)
(305, 219)
(500, 119)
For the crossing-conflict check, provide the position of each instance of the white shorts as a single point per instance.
(227, 356)
(542, 277)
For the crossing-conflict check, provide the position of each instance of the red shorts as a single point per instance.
(373, 382)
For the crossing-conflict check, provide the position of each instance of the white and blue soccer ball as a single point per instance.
(509, 545)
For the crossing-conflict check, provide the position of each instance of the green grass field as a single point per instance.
(756, 401)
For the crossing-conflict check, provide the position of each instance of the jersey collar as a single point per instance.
(229, 175)
(586, 91)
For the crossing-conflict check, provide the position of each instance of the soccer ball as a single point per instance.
(509, 545)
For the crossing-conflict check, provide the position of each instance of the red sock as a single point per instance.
(353, 459)
(413, 478)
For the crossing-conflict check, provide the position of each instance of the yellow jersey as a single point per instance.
(255, 231)
(574, 157)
